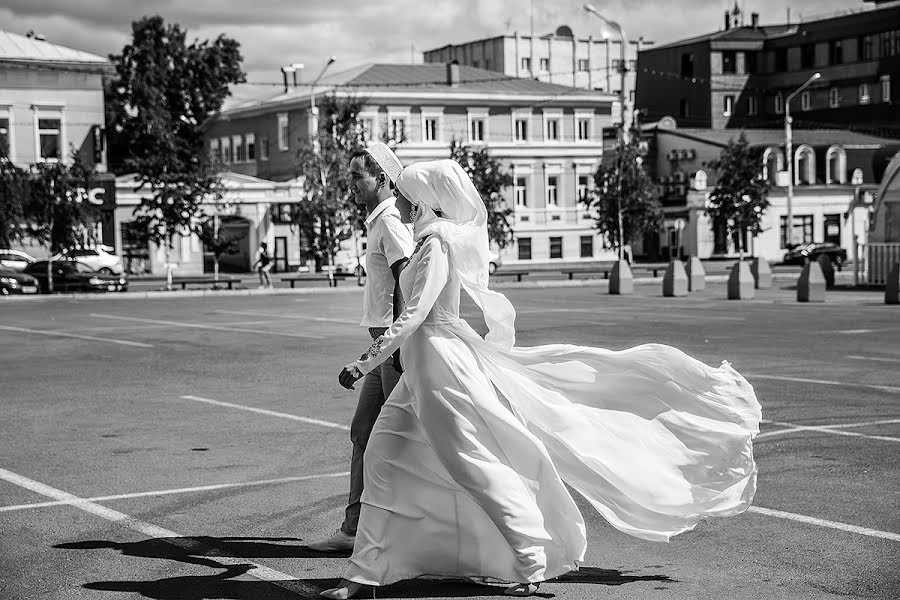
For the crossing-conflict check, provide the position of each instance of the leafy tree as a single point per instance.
(56, 208)
(624, 199)
(328, 216)
(490, 180)
(13, 190)
(740, 196)
(163, 91)
(212, 234)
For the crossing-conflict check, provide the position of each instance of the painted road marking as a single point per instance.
(202, 488)
(881, 388)
(619, 312)
(887, 535)
(853, 331)
(204, 326)
(873, 358)
(832, 429)
(272, 576)
(134, 327)
(254, 313)
(76, 336)
(270, 413)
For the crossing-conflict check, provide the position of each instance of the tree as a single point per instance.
(13, 190)
(211, 232)
(56, 209)
(740, 196)
(163, 91)
(624, 199)
(327, 216)
(490, 180)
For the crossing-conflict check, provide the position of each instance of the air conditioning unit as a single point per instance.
(671, 155)
(692, 154)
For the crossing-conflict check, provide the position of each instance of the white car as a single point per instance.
(98, 258)
(15, 259)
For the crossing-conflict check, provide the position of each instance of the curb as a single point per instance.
(175, 294)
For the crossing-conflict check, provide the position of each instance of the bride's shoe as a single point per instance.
(345, 589)
(522, 589)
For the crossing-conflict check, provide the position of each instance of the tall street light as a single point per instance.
(313, 109)
(623, 131)
(789, 151)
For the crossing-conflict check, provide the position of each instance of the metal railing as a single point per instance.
(880, 258)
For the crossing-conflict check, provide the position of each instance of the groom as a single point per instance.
(389, 245)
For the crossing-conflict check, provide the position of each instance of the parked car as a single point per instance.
(15, 259)
(99, 258)
(803, 253)
(16, 282)
(75, 276)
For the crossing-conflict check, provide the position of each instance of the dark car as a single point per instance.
(801, 254)
(74, 276)
(16, 282)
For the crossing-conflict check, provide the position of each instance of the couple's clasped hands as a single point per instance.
(350, 374)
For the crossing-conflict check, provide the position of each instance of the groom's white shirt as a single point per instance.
(388, 240)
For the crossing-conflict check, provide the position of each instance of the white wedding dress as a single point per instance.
(464, 469)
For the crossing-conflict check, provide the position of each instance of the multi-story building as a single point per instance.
(591, 62)
(51, 109)
(548, 136)
(742, 76)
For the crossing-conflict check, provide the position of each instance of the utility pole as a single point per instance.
(789, 156)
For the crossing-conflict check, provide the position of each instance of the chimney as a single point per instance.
(453, 73)
(727, 20)
(754, 20)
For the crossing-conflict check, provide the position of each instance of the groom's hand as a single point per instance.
(347, 378)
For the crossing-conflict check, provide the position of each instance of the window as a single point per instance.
(526, 64)
(752, 105)
(583, 64)
(226, 150)
(264, 148)
(215, 151)
(431, 129)
(524, 245)
(687, 64)
(545, 64)
(556, 247)
(803, 230)
(553, 190)
(864, 97)
(283, 132)
(773, 162)
(250, 141)
(889, 43)
(476, 63)
(835, 165)
(587, 246)
(728, 108)
(805, 101)
(476, 130)
(553, 129)
(885, 88)
(779, 104)
(366, 128)
(751, 62)
(729, 61)
(807, 56)
(281, 213)
(5, 150)
(864, 45)
(584, 182)
(584, 129)
(398, 128)
(835, 52)
(521, 130)
(240, 152)
(805, 166)
(49, 133)
(521, 192)
(832, 229)
(834, 98)
(684, 108)
(781, 62)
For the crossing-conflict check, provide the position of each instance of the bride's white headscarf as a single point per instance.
(443, 185)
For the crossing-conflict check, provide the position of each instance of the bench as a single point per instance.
(332, 280)
(510, 273)
(185, 281)
(583, 271)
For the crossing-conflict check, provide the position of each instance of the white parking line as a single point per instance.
(270, 413)
(282, 580)
(887, 535)
(253, 313)
(873, 358)
(794, 427)
(205, 326)
(202, 488)
(881, 388)
(852, 331)
(76, 336)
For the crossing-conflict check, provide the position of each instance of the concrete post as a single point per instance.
(762, 273)
(696, 274)
(740, 282)
(892, 287)
(675, 280)
(827, 270)
(621, 280)
(811, 284)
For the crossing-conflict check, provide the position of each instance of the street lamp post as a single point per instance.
(313, 110)
(789, 151)
(623, 131)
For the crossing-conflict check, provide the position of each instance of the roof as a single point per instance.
(775, 137)
(21, 48)
(428, 77)
(736, 34)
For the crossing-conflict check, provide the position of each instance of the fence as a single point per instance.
(880, 257)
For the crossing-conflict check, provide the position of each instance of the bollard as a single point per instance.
(675, 280)
(762, 273)
(740, 282)
(696, 274)
(892, 287)
(827, 270)
(621, 280)
(811, 284)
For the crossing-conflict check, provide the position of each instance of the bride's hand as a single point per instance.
(349, 375)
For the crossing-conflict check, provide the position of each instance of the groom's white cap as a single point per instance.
(386, 159)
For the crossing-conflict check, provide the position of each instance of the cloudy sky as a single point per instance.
(277, 32)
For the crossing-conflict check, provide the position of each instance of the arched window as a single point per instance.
(804, 166)
(835, 165)
(773, 162)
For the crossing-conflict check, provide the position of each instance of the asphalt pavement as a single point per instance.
(190, 447)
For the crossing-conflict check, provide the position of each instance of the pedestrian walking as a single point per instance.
(263, 265)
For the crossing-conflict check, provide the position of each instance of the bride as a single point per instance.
(466, 467)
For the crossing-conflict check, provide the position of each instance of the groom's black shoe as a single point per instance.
(338, 542)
